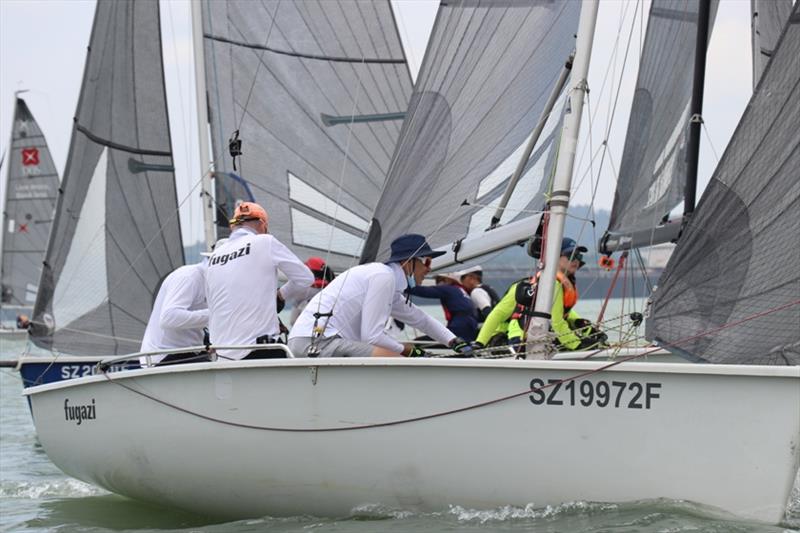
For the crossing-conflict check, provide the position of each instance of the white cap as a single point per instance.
(471, 270)
(449, 275)
(217, 244)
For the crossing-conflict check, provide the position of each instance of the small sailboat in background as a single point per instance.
(31, 190)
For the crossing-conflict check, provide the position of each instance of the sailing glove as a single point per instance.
(461, 347)
(416, 351)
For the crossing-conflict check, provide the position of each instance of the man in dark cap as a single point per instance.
(347, 318)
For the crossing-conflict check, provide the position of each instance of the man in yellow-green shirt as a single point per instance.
(573, 333)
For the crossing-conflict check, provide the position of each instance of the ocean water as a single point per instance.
(36, 497)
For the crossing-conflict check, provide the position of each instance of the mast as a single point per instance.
(690, 192)
(202, 125)
(540, 321)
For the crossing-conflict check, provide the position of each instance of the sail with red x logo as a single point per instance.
(31, 192)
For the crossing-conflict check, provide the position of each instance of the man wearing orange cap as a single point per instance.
(242, 284)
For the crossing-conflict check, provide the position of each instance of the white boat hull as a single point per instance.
(727, 437)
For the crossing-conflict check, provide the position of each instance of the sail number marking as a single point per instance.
(585, 393)
(78, 371)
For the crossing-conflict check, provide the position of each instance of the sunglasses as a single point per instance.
(575, 257)
(426, 261)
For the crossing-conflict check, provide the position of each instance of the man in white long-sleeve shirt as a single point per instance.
(179, 315)
(241, 285)
(353, 309)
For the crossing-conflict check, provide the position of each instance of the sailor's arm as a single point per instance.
(175, 313)
(415, 317)
(501, 313)
(300, 276)
(559, 324)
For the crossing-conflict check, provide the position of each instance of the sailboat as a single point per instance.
(31, 188)
(323, 436)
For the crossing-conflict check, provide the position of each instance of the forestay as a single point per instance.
(273, 69)
(31, 191)
(483, 84)
(116, 232)
(737, 262)
(768, 19)
(653, 170)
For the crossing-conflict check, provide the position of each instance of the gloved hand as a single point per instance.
(280, 303)
(515, 343)
(462, 348)
(416, 351)
(594, 341)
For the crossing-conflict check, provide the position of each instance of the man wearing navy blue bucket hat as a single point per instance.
(347, 318)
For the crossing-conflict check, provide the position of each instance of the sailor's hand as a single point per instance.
(461, 347)
(415, 351)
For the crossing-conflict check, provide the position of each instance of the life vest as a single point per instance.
(526, 294)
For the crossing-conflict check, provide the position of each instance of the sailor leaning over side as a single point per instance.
(241, 285)
(347, 318)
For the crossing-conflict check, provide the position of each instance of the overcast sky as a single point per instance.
(43, 49)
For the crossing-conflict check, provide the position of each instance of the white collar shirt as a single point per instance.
(179, 312)
(241, 287)
(362, 299)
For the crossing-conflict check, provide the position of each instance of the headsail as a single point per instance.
(273, 70)
(485, 79)
(737, 262)
(653, 170)
(116, 232)
(768, 19)
(31, 191)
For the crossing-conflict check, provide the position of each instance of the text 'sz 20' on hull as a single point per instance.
(285, 437)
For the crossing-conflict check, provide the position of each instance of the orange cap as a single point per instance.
(248, 211)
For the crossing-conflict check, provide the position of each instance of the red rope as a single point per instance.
(611, 288)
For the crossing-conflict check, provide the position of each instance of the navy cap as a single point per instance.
(569, 246)
(409, 246)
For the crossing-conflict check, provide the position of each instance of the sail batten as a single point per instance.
(486, 77)
(343, 59)
(654, 167)
(116, 232)
(730, 291)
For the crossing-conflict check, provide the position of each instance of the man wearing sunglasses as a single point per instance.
(347, 318)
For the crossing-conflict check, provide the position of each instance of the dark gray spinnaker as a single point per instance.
(483, 84)
(731, 290)
(653, 171)
(116, 232)
(768, 17)
(273, 70)
(31, 192)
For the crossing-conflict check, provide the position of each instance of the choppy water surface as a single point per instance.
(36, 497)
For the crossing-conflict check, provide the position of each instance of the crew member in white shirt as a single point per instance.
(242, 285)
(179, 315)
(352, 310)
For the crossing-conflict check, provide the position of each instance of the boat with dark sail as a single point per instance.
(31, 189)
(323, 436)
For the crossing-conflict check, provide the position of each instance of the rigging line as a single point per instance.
(710, 143)
(437, 414)
(260, 61)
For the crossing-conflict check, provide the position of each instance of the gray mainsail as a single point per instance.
(116, 233)
(653, 170)
(31, 191)
(734, 273)
(273, 70)
(483, 84)
(768, 19)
